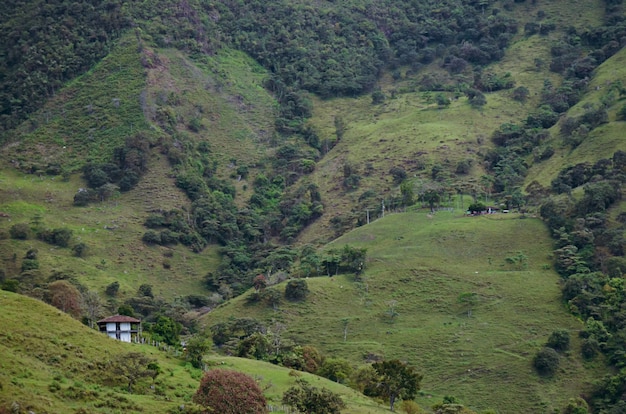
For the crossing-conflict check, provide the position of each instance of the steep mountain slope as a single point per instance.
(207, 143)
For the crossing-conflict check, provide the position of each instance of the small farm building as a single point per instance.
(121, 327)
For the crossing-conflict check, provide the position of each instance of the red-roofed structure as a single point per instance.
(121, 327)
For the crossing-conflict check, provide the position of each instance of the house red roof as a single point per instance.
(119, 318)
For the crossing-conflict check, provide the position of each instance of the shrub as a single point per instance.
(559, 340)
(335, 369)
(80, 250)
(378, 97)
(477, 207)
(410, 407)
(306, 398)
(546, 362)
(145, 290)
(168, 237)
(589, 348)
(59, 237)
(83, 196)
(151, 237)
(218, 387)
(30, 264)
(112, 289)
(296, 289)
(10, 285)
(463, 167)
(19, 231)
(398, 173)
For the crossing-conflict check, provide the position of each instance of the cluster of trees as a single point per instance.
(589, 255)
(249, 338)
(47, 43)
(218, 386)
(127, 166)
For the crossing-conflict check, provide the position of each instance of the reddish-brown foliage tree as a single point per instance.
(65, 296)
(230, 392)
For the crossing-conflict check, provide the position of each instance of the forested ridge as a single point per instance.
(330, 49)
(253, 209)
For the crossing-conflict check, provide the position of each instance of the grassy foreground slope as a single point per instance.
(420, 265)
(51, 363)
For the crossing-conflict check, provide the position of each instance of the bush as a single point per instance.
(463, 167)
(378, 97)
(19, 231)
(589, 348)
(306, 398)
(30, 264)
(296, 289)
(112, 289)
(477, 207)
(559, 340)
(335, 369)
(58, 237)
(80, 250)
(410, 407)
(546, 362)
(84, 196)
(398, 174)
(151, 237)
(11, 285)
(218, 387)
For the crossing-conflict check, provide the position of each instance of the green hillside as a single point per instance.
(163, 158)
(51, 363)
(421, 266)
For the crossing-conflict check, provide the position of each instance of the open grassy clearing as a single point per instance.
(235, 114)
(216, 99)
(420, 266)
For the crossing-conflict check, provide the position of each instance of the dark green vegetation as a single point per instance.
(162, 158)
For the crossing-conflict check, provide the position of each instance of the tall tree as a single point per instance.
(395, 379)
(92, 306)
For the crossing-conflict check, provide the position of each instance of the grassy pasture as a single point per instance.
(420, 266)
(112, 230)
(89, 117)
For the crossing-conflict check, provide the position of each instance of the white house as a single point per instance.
(121, 327)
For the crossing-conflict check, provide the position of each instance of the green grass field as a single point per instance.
(420, 266)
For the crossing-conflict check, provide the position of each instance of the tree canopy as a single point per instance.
(230, 392)
(394, 380)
